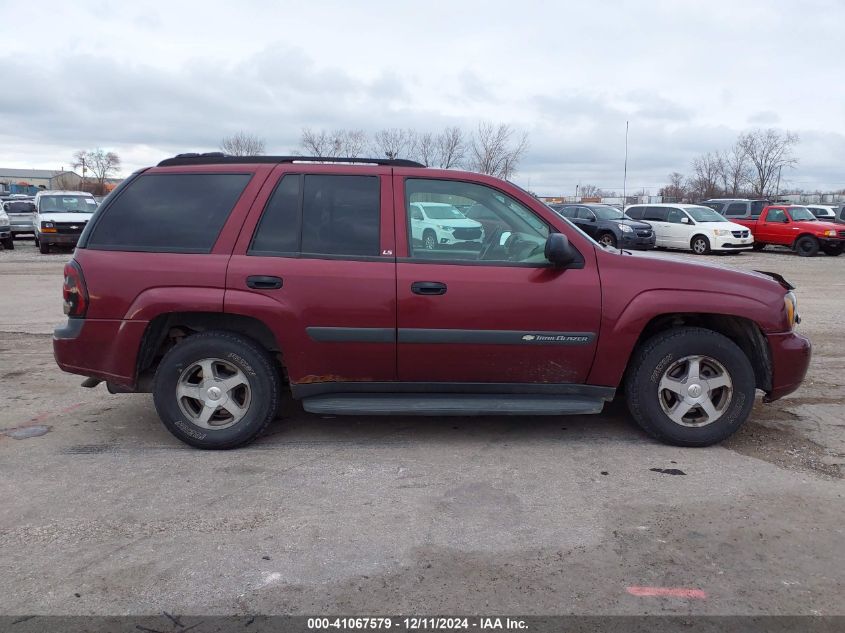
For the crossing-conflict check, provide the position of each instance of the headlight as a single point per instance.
(445, 228)
(721, 232)
(625, 228)
(830, 233)
(790, 302)
(4, 217)
(47, 225)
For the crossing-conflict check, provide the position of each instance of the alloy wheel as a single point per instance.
(213, 393)
(695, 391)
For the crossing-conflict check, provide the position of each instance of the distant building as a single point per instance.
(14, 180)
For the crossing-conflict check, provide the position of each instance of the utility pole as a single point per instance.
(625, 173)
(777, 187)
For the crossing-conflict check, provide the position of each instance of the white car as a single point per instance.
(826, 212)
(692, 227)
(60, 217)
(439, 223)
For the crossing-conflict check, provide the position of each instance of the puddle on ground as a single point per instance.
(25, 432)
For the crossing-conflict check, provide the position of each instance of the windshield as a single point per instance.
(67, 204)
(608, 213)
(446, 212)
(704, 214)
(801, 214)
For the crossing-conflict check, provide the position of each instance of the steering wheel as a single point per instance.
(494, 238)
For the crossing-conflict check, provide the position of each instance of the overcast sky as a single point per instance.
(148, 80)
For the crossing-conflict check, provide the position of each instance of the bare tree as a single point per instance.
(450, 148)
(316, 143)
(736, 170)
(676, 190)
(424, 148)
(707, 170)
(768, 151)
(353, 143)
(100, 163)
(589, 191)
(242, 144)
(393, 142)
(497, 150)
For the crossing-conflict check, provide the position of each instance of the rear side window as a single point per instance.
(169, 213)
(737, 208)
(320, 215)
(656, 214)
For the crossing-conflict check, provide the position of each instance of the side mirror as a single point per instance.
(558, 250)
(684, 220)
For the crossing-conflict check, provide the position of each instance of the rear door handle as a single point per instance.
(264, 282)
(428, 288)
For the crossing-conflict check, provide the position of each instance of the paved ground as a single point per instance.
(105, 513)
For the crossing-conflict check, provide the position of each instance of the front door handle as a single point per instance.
(264, 282)
(428, 288)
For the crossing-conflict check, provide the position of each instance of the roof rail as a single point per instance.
(219, 158)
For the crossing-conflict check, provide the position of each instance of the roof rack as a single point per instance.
(217, 158)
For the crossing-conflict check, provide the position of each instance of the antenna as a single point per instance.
(625, 177)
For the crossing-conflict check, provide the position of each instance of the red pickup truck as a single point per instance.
(797, 228)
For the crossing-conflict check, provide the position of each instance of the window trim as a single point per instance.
(410, 259)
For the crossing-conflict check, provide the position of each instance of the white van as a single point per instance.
(692, 227)
(60, 217)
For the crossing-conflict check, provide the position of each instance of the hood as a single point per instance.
(76, 218)
(634, 224)
(821, 225)
(458, 224)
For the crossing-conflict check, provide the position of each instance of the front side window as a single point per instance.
(494, 228)
(705, 214)
(776, 215)
(169, 213)
(675, 216)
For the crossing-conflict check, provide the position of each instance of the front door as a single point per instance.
(315, 263)
(493, 311)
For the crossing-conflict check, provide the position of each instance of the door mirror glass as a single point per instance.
(558, 250)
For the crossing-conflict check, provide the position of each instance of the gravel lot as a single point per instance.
(104, 512)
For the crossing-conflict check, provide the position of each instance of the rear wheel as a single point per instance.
(700, 245)
(690, 387)
(833, 250)
(217, 390)
(43, 248)
(807, 246)
(607, 239)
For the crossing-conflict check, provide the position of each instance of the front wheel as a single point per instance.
(700, 245)
(9, 243)
(807, 246)
(607, 239)
(429, 240)
(690, 387)
(217, 390)
(43, 248)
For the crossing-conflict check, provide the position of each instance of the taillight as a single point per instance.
(74, 291)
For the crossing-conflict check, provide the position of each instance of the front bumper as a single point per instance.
(67, 239)
(790, 355)
(633, 241)
(731, 243)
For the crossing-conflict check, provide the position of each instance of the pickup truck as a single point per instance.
(797, 228)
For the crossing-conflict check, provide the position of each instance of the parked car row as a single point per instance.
(717, 225)
(53, 217)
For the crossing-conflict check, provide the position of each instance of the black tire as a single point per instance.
(429, 239)
(608, 239)
(35, 236)
(246, 355)
(807, 246)
(43, 248)
(9, 243)
(758, 246)
(657, 355)
(700, 245)
(833, 250)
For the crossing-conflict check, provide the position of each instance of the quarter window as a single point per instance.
(169, 213)
(495, 228)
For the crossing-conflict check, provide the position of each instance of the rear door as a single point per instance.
(315, 262)
(495, 312)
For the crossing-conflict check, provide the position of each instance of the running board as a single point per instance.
(437, 404)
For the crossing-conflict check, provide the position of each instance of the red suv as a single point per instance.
(217, 283)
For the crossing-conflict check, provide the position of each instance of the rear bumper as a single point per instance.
(790, 355)
(100, 348)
